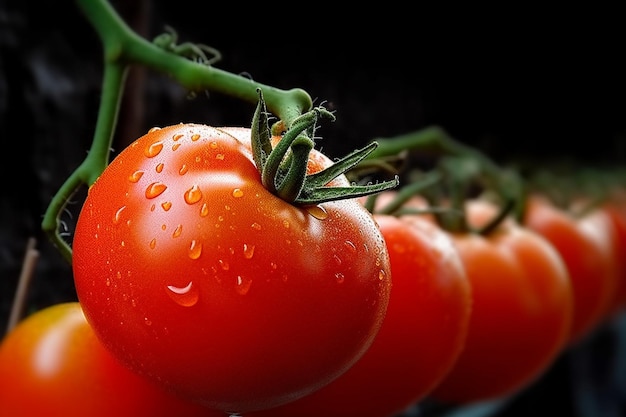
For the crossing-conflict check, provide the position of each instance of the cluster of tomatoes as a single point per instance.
(203, 294)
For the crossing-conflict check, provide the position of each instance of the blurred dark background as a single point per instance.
(541, 90)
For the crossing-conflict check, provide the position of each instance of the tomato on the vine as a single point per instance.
(615, 207)
(52, 365)
(521, 311)
(195, 275)
(586, 246)
(421, 337)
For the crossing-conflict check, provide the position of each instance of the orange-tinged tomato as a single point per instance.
(586, 246)
(195, 275)
(53, 365)
(422, 335)
(521, 311)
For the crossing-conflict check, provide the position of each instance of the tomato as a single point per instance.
(422, 335)
(52, 364)
(195, 275)
(521, 311)
(585, 244)
(615, 207)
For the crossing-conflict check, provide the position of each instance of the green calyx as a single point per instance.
(283, 168)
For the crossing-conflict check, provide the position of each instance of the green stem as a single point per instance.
(122, 43)
(97, 159)
(507, 184)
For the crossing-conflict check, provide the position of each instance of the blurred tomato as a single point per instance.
(521, 314)
(52, 365)
(585, 244)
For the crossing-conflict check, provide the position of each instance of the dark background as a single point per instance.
(542, 89)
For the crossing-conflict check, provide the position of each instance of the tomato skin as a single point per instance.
(215, 287)
(422, 335)
(521, 314)
(585, 244)
(52, 365)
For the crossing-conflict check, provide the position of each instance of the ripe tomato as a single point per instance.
(422, 335)
(195, 275)
(521, 314)
(52, 365)
(585, 244)
(615, 208)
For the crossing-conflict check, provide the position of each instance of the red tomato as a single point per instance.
(521, 314)
(422, 335)
(195, 275)
(52, 365)
(585, 244)
(615, 207)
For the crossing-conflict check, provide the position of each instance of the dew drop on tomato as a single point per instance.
(155, 189)
(154, 149)
(186, 296)
(193, 195)
(243, 285)
(195, 249)
(318, 212)
(248, 251)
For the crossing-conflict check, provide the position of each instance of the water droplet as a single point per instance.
(177, 137)
(286, 224)
(183, 169)
(135, 176)
(227, 207)
(195, 137)
(154, 129)
(108, 282)
(147, 321)
(337, 259)
(193, 195)
(243, 285)
(159, 167)
(154, 149)
(153, 243)
(256, 226)
(155, 189)
(163, 227)
(351, 246)
(382, 275)
(186, 296)
(219, 156)
(178, 230)
(237, 192)
(152, 207)
(198, 159)
(248, 251)
(223, 264)
(213, 145)
(166, 205)
(118, 215)
(318, 212)
(340, 277)
(204, 210)
(195, 249)
(175, 146)
(273, 266)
